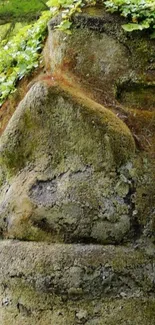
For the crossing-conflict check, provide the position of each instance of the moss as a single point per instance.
(145, 192)
(31, 135)
(20, 151)
(138, 97)
(38, 284)
(142, 124)
(122, 312)
(122, 261)
(16, 159)
(117, 134)
(25, 230)
(131, 62)
(28, 306)
(80, 151)
(142, 52)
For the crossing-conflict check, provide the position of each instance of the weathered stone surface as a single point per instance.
(48, 115)
(63, 156)
(105, 58)
(110, 312)
(51, 284)
(115, 68)
(71, 175)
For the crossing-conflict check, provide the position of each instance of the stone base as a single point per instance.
(75, 284)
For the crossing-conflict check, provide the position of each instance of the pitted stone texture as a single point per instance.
(54, 284)
(86, 206)
(114, 67)
(77, 270)
(111, 312)
(64, 158)
(120, 70)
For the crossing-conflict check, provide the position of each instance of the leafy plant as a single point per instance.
(68, 8)
(141, 13)
(21, 8)
(21, 54)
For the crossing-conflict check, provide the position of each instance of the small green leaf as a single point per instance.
(65, 24)
(53, 3)
(131, 27)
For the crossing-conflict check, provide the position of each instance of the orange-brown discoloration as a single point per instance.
(140, 122)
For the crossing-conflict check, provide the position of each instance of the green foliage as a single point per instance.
(21, 54)
(68, 8)
(141, 13)
(20, 8)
